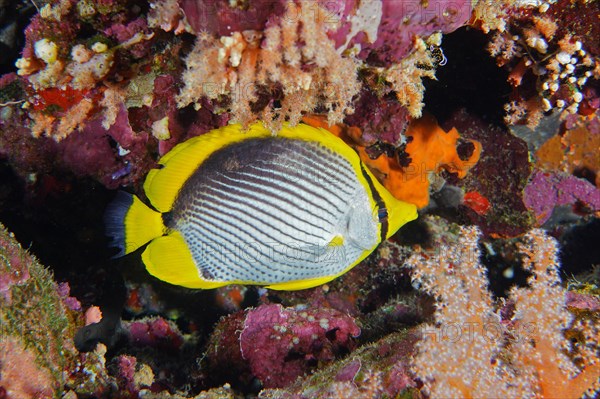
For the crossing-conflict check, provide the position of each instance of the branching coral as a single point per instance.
(549, 52)
(519, 350)
(63, 74)
(294, 56)
(406, 77)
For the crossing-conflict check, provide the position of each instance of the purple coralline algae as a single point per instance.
(376, 370)
(379, 119)
(382, 31)
(90, 153)
(545, 191)
(385, 31)
(277, 344)
(553, 57)
(154, 332)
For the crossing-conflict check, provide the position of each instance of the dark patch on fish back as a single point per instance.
(238, 157)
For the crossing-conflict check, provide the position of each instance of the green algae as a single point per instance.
(32, 311)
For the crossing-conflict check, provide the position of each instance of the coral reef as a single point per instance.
(241, 65)
(545, 191)
(155, 332)
(37, 325)
(500, 176)
(483, 113)
(573, 150)
(407, 169)
(518, 350)
(276, 344)
(106, 83)
(552, 57)
(376, 370)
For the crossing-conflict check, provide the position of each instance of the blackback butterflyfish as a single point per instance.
(243, 206)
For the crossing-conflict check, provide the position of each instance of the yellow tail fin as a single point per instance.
(131, 223)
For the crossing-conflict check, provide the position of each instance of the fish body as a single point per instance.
(290, 211)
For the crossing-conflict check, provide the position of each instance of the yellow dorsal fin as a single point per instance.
(169, 259)
(162, 185)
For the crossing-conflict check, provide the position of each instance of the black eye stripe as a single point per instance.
(382, 213)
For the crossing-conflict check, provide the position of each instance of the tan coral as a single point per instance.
(74, 118)
(541, 313)
(112, 102)
(471, 351)
(168, 15)
(235, 66)
(578, 148)
(406, 77)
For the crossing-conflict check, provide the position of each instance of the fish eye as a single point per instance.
(382, 214)
(379, 214)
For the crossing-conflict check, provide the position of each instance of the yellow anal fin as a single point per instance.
(169, 259)
(300, 284)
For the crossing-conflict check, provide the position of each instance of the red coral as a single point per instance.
(64, 98)
(477, 202)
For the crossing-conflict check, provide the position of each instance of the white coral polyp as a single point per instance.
(46, 50)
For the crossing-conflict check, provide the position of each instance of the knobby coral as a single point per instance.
(517, 350)
(62, 74)
(276, 344)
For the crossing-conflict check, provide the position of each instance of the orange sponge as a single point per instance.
(430, 150)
